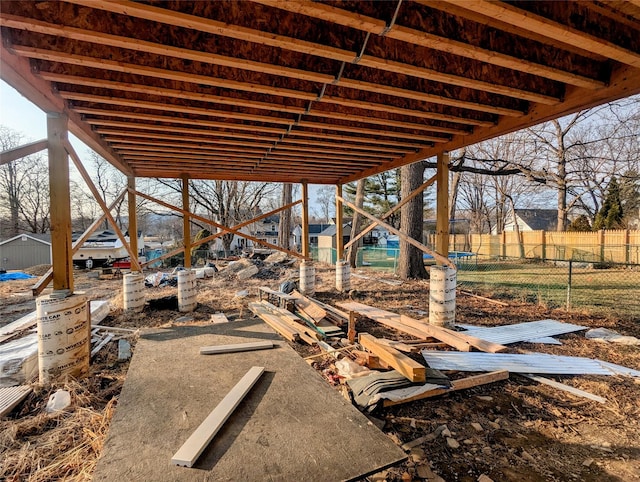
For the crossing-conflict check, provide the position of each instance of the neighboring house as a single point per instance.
(103, 246)
(534, 220)
(25, 250)
(327, 240)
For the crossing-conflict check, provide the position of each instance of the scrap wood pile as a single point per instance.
(382, 372)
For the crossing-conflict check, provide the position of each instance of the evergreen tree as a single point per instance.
(610, 215)
(581, 223)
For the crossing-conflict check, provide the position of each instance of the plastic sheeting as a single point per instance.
(14, 276)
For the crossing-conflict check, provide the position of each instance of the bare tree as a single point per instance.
(24, 188)
(110, 182)
(325, 199)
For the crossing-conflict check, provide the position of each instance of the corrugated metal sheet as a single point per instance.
(529, 331)
(523, 363)
(12, 396)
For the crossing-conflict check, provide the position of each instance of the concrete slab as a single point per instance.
(292, 426)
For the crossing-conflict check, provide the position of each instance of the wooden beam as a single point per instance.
(187, 455)
(269, 106)
(553, 30)
(442, 205)
(235, 348)
(17, 72)
(217, 225)
(416, 192)
(623, 83)
(60, 203)
(282, 328)
(305, 220)
(425, 39)
(339, 226)
(210, 139)
(566, 388)
(135, 265)
(166, 92)
(456, 385)
(401, 235)
(22, 151)
(133, 215)
(105, 64)
(186, 222)
(411, 369)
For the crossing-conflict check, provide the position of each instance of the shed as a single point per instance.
(25, 250)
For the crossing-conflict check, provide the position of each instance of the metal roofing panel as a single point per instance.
(523, 363)
(528, 331)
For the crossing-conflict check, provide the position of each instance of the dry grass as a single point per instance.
(39, 447)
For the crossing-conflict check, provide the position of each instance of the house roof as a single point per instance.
(331, 230)
(44, 238)
(539, 219)
(286, 91)
(105, 236)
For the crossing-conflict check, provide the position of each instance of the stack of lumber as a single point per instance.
(314, 315)
(419, 329)
(283, 322)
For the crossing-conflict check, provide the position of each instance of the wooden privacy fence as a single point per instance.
(615, 246)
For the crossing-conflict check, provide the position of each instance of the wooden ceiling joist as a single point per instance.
(84, 35)
(405, 34)
(552, 30)
(315, 90)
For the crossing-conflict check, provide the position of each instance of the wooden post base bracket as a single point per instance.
(187, 455)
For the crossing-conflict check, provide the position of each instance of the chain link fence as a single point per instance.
(582, 285)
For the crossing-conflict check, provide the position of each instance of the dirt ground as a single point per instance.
(514, 430)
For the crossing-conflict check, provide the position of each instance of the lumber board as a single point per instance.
(460, 339)
(334, 313)
(274, 322)
(411, 369)
(314, 312)
(187, 455)
(456, 385)
(306, 333)
(10, 397)
(383, 317)
(255, 345)
(564, 387)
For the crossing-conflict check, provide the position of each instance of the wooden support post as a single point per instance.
(133, 220)
(305, 220)
(442, 206)
(339, 228)
(186, 222)
(351, 332)
(60, 210)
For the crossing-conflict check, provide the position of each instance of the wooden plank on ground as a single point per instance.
(10, 397)
(274, 322)
(455, 338)
(383, 317)
(306, 333)
(187, 455)
(255, 345)
(219, 318)
(566, 388)
(333, 313)
(411, 369)
(461, 384)
(314, 312)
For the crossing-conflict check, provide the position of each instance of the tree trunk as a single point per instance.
(356, 224)
(411, 262)
(284, 228)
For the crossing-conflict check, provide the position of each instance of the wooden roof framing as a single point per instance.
(300, 90)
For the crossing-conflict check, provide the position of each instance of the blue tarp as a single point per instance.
(13, 276)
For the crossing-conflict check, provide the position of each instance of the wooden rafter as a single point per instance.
(552, 30)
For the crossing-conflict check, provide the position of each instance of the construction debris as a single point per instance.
(124, 350)
(524, 363)
(566, 388)
(610, 336)
(533, 331)
(411, 369)
(10, 397)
